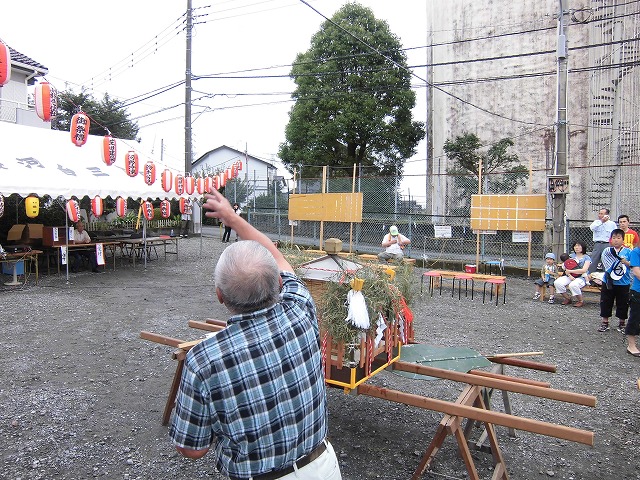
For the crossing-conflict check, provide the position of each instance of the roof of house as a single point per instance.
(236, 152)
(18, 57)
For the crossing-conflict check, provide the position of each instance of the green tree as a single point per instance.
(106, 114)
(353, 105)
(502, 172)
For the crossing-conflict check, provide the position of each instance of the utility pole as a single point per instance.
(562, 143)
(187, 92)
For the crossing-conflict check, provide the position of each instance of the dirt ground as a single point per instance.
(82, 395)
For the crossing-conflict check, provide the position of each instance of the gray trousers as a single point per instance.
(598, 248)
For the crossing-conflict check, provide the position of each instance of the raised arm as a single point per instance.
(220, 208)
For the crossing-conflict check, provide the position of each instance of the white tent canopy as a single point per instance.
(45, 162)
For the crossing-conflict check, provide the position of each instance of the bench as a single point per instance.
(588, 289)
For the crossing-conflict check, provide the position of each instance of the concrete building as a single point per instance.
(493, 67)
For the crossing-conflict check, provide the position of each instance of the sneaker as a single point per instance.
(552, 299)
(621, 327)
(604, 327)
(536, 296)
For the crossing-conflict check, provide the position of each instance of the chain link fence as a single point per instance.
(384, 205)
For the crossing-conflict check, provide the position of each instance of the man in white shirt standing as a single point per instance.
(394, 244)
(601, 228)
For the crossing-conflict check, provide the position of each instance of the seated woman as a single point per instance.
(575, 278)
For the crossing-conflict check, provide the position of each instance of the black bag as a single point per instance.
(634, 296)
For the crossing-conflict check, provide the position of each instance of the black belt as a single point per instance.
(303, 462)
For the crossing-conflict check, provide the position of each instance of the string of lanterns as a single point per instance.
(46, 107)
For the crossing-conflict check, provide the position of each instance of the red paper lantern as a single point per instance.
(109, 150)
(239, 165)
(223, 180)
(121, 206)
(80, 124)
(208, 184)
(167, 180)
(184, 205)
(46, 99)
(5, 64)
(215, 182)
(149, 173)
(189, 184)
(73, 210)
(97, 206)
(165, 208)
(200, 185)
(131, 163)
(179, 184)
(147, 209)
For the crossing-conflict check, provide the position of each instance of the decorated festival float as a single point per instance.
(366, 327)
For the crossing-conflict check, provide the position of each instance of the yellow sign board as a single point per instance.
(524, 213)
(330, 207)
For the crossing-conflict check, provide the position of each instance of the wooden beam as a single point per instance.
(518, 362)
(154, 337)
(509, 386)
(499, 376)
(210, 327)
(535, 426)
(213, 321)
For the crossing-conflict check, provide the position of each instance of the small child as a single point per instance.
(548, 274)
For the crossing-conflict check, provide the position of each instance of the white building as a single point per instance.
(15, 106)
(257, 172)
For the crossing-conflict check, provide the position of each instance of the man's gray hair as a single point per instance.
(248, 277)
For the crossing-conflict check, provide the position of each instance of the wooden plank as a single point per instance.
(190, 344)
(210, 327)
(154, 337)
(535, 426)
(510, 386)
(518, 362)
(499, 376)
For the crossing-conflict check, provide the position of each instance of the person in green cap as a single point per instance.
(394, 243)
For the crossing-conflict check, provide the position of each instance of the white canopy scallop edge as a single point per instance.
(45, 162)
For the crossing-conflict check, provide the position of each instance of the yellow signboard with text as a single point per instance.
(330, 207)
(524, 213)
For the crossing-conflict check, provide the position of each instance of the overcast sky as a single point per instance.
(131, 48)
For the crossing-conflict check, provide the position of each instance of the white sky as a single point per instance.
(129, 48)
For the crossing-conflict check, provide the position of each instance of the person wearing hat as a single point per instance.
(616, 282)
(548, 275)
(393, 242)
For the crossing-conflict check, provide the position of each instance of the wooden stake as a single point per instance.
(520, 354)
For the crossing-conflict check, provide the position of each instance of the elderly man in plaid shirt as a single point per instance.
(255, 391)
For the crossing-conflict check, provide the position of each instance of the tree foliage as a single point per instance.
(352, 104)
(502, 172)
(107, 115)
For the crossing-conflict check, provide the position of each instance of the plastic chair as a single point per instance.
(466, 277)
(497, 282)
(431, 275)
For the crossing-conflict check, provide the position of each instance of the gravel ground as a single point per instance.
(82, 395)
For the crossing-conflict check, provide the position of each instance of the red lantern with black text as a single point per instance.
(240, 165)
(121, 206)
(215, 182)
(5, 64)
(32, 206)
(165, 208)
(73, 210)
(80, 124)
(147, 209)
(149, 173)
(167, 180)
(109, 150)
(184, 205)
(97, 207)
(46, 100)
(189, 184)
(179, 184)
(223, 180)
(131, 163)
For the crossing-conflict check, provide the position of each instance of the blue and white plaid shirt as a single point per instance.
(256, 389)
